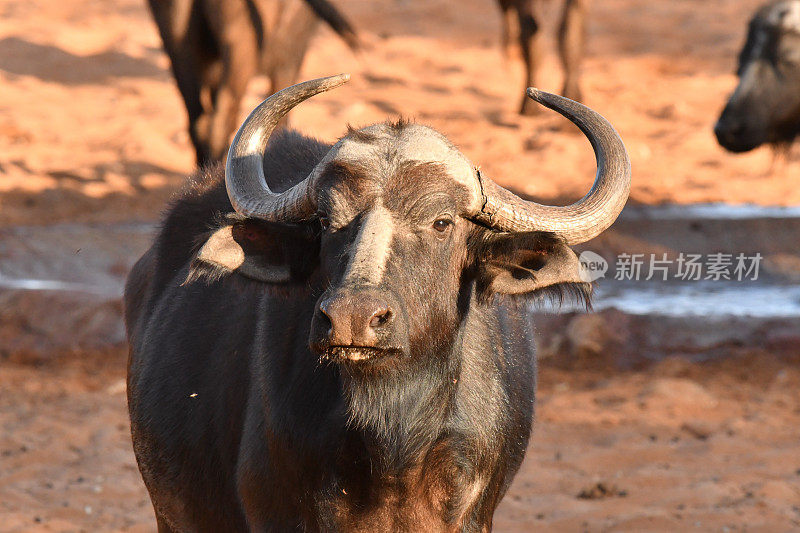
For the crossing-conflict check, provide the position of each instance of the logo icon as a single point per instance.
(593, 266)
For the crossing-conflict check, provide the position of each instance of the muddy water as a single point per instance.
(82, 257)
(701, 299)
(27, 284)
(60, 286)
(709, 212)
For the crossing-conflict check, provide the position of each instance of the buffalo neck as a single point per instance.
(401, 413)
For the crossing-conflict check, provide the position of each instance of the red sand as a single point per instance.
(91, 128)
(679, 446)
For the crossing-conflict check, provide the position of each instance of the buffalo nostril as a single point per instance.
(380, 317)
(326, 315)
(324, 309)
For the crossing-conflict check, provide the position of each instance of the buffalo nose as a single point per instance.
(355, 320)
(727, 128)
(729, 134)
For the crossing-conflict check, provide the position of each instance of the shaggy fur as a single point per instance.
(240, 421)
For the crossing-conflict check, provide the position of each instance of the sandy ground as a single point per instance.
(677, 446)
(92, 129)
(91, 125)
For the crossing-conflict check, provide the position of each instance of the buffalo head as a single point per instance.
(396, 232)
(765, 107)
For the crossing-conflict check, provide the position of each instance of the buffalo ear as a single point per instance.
(263, 251)
(525, 263)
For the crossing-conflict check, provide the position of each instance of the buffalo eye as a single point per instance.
(324, 222)
(442, 224)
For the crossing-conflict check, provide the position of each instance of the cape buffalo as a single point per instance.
(216, 46)
(765, 107)
(571, 42)
(331, 338)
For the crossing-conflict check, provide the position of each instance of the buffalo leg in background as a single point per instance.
(529, 46)
(187, 41)
(508, 22)
(571, 44)
(288, 43)
(238, 50)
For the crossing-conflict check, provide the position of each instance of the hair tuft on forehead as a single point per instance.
(399, 125)
(360, 135)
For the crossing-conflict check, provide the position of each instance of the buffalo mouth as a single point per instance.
(356, 354)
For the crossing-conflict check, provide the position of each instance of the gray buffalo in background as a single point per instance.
(216, 46)
(765, 108)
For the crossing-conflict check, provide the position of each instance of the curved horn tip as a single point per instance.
(338, 79)
(534, 94)
(320, 85)
(545, 98)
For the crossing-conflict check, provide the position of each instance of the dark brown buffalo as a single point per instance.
(216, 46)
(571, 42)
(352, 352)
(765, 107)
